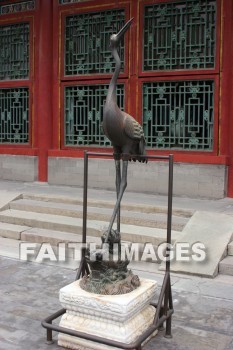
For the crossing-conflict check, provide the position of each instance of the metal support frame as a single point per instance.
(164, 306)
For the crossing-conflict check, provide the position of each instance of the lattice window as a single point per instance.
(84, 112)
(14, 112)
(87, 42)
(14, 51)
(180, 35)
(179, 114)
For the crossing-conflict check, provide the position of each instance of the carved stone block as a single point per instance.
(121, 318)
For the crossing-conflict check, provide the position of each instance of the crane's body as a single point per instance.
(125, 133)
(126, 136)
(123, 130)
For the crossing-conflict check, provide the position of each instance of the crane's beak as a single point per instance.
(121, 33)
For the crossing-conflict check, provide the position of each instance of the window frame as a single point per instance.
(88, 79)
(83, 83)
(134, 80)
(182, 74)
(81, 9)
(214, 78)
(22, 83)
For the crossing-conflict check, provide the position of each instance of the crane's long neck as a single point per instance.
(111, 96)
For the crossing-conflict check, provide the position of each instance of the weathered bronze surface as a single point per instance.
(109, 274)
(109, 277)
(127, 138)
(124, 132)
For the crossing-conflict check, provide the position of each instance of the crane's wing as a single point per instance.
(132, 128)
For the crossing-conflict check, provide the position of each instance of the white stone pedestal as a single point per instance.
(121, 318)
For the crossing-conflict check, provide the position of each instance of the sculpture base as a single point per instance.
(122, 318)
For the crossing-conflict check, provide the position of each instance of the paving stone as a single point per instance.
(206, 288)
(31, 293)
(203, 307)
(5, 345)
(188, 338)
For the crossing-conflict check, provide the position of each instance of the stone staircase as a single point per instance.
(226, 265)
(55, 219)
(41, 218)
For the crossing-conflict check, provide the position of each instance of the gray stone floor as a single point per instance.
(203, 316)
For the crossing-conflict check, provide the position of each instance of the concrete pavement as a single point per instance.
(203, 316)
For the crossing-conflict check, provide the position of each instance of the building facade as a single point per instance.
(176, 80)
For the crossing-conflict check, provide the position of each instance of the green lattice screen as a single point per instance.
(179, 35)
(14, 113)
(14, 51)
(83, 114)
(87, 42)
(179, 114)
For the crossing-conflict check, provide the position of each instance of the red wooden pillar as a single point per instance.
(44, 84)
(132, 107)
(226, 117)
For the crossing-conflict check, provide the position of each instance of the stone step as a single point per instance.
(131, 233)
(230, 248)
(158, 220)
(100, 203)
(12, 231)
(10, 248)
(6, 197)
(226, 266)
(215, 233)
(38, 235)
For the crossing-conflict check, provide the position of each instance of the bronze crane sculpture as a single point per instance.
(108, 275)
(125, 133)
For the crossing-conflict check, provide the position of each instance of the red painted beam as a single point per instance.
(19, 151)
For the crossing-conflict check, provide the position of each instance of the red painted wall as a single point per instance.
(47, 80)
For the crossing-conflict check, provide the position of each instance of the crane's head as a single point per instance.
(115, 38)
